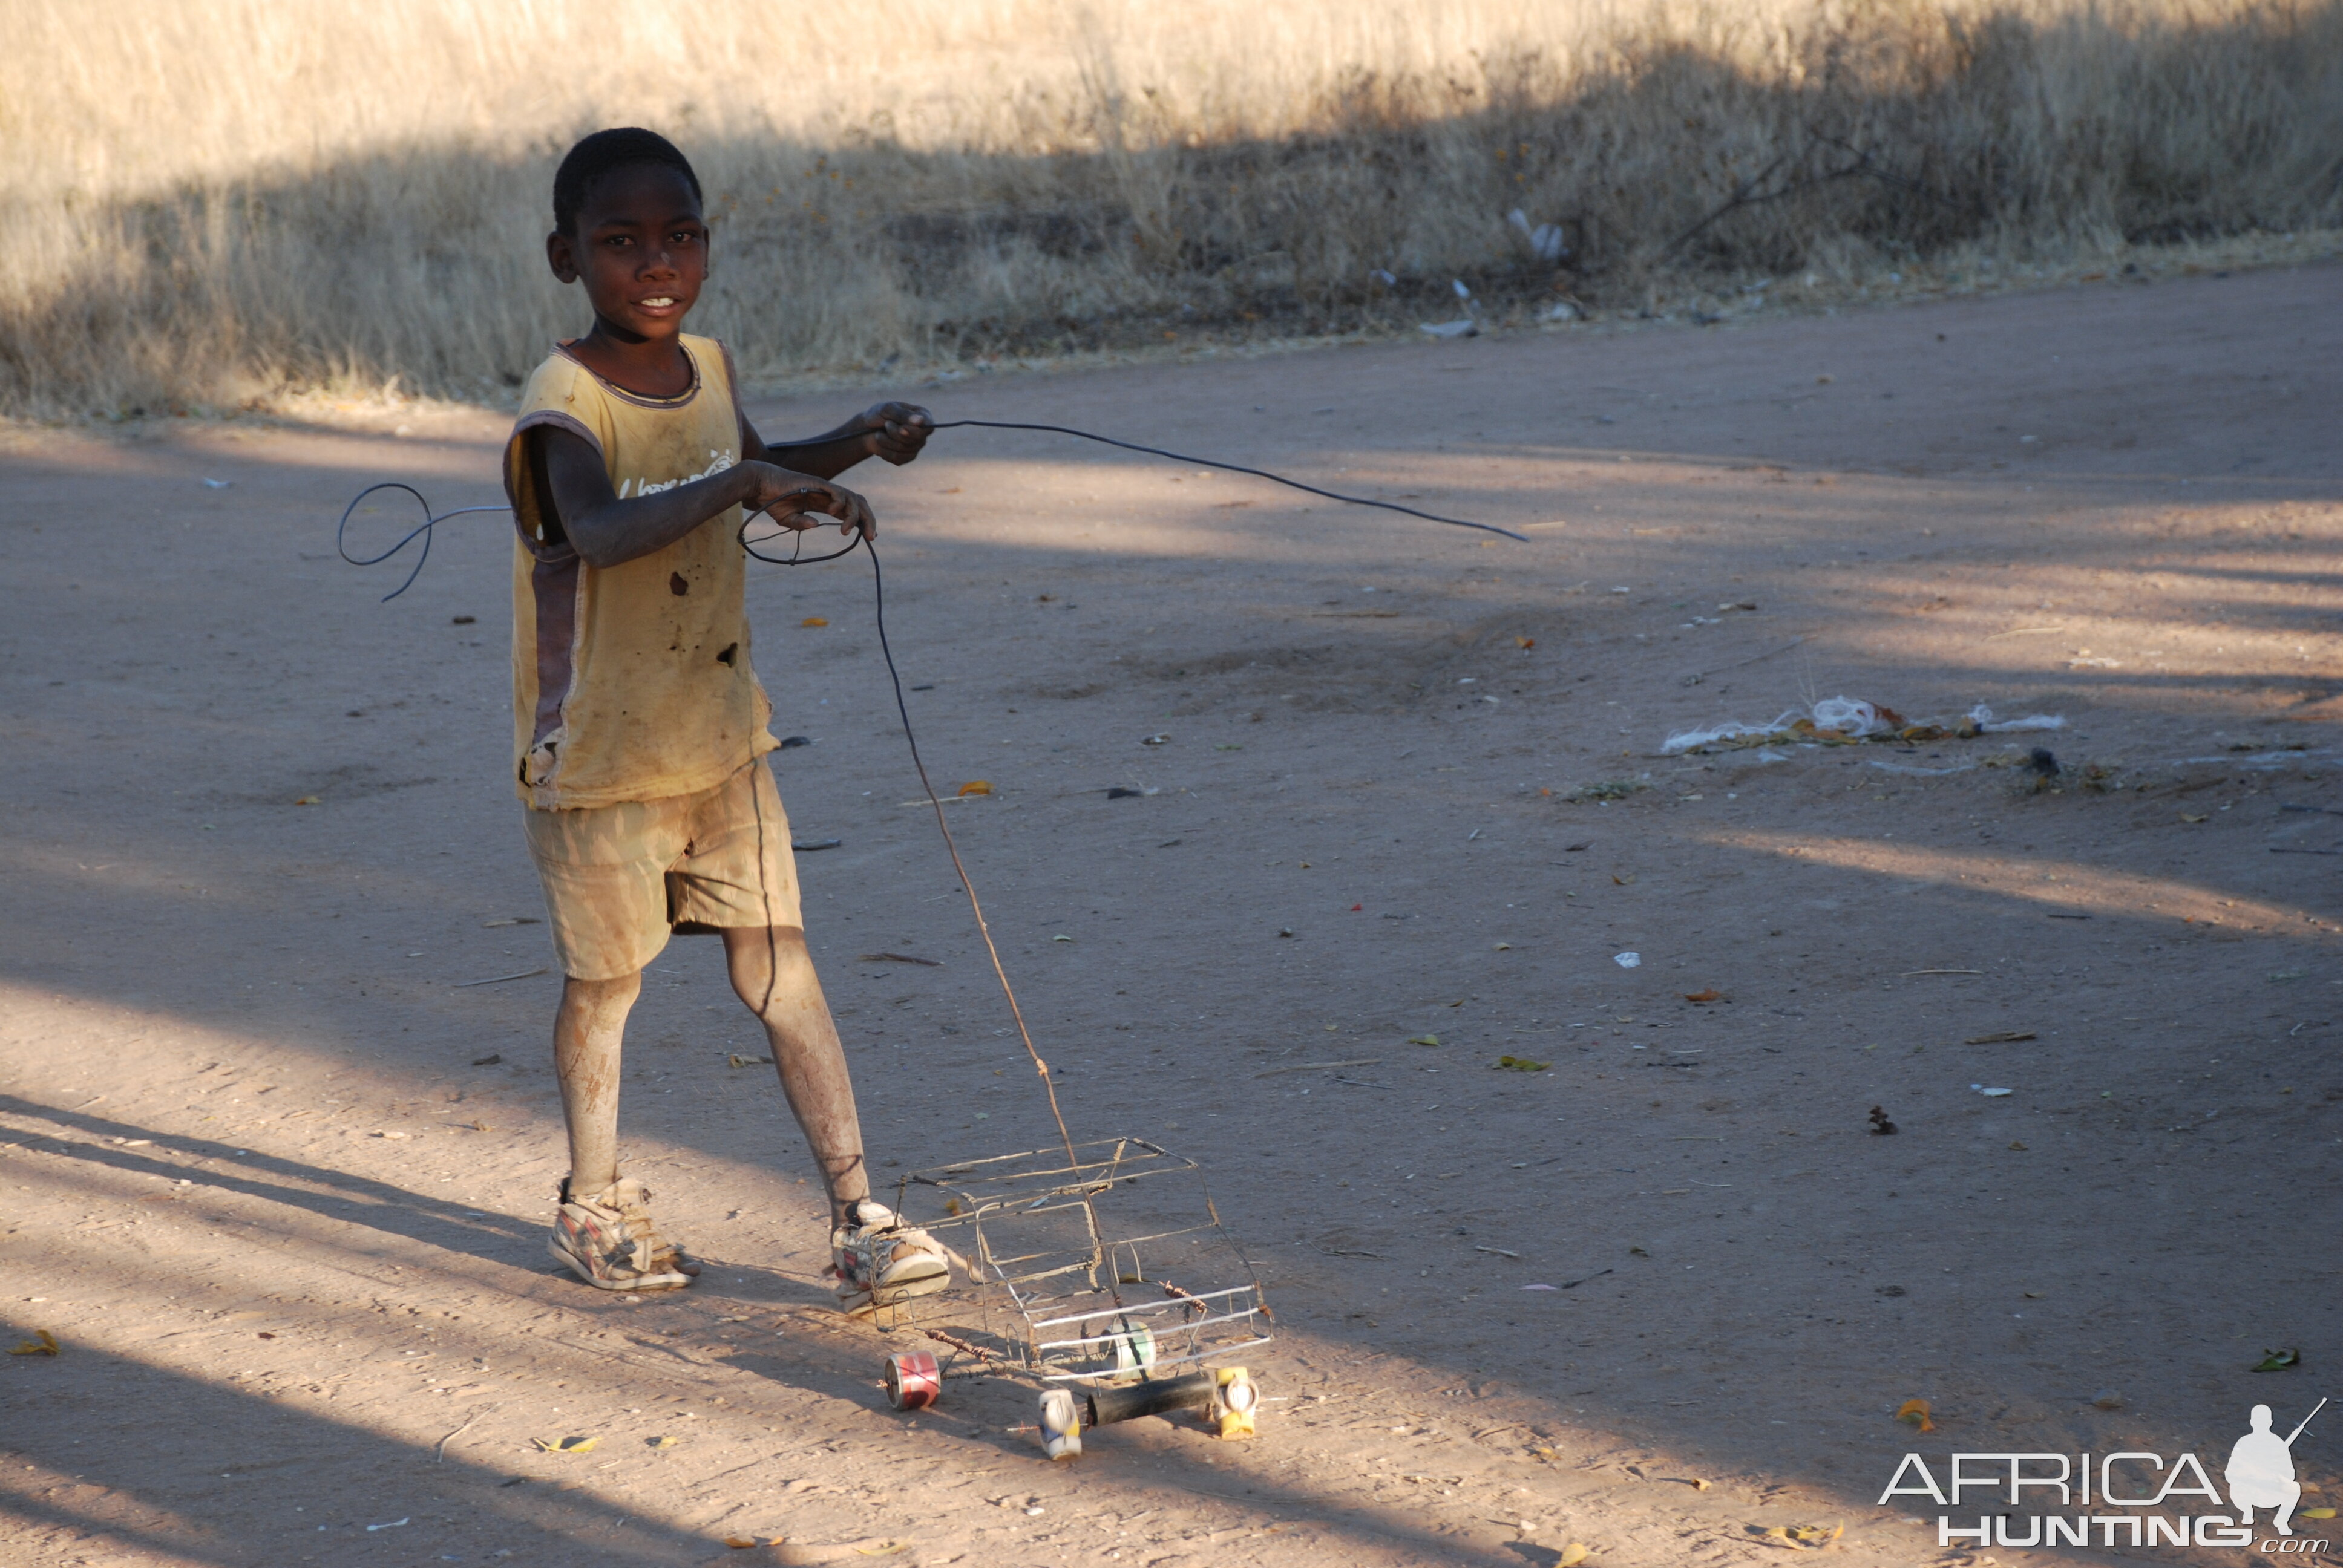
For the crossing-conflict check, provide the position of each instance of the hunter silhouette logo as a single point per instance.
(2127, 1486)
(2261, 1470)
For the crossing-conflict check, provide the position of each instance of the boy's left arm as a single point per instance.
(894, 431)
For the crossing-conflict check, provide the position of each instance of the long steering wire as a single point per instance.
(861, 541)
(935, 804)
(879, 618)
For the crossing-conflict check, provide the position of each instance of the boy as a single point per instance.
(639, 728)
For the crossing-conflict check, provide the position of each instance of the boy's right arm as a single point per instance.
(606, 531)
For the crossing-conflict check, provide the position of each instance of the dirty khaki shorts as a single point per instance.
(620, 879)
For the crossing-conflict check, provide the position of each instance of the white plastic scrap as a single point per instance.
(1982, 716)
(1730, 730)
(1628, 961)
(1989, 1093)
(1545, 239)
(1467, 327)
(1846, 715)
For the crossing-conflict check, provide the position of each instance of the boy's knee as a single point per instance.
(759, 942)
(601, 993)
(762, 956)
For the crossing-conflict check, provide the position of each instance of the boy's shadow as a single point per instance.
(205, 1163)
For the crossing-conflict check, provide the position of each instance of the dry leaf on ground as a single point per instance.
(1800, 1537)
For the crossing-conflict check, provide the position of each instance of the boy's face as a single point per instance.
(640, 249)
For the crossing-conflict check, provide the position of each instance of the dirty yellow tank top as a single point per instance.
(630, 683)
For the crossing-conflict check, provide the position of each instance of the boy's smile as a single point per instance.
(640, 248)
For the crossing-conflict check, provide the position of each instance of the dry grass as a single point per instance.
(218, 203)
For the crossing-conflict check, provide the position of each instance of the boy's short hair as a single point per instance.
(597, 155)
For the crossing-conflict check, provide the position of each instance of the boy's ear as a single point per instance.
(561, 255)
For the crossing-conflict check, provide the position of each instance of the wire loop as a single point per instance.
(341, 531)
(795, 557)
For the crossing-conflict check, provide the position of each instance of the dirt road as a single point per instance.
(278, 1171)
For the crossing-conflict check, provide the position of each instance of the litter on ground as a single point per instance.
(1847, 721)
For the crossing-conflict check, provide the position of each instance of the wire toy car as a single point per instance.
(1106, 1279)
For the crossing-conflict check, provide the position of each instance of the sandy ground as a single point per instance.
(278, 1178)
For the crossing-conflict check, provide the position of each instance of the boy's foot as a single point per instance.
(879, 1260)
(609, 1240)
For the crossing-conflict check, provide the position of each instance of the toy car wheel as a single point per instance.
(913, 1381)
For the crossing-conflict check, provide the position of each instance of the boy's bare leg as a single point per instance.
(773, 973)
(587, 1032)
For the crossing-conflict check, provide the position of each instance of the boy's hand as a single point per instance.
(801, 501)
(896, 431)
